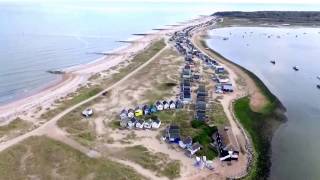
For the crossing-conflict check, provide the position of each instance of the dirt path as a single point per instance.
(51, 124)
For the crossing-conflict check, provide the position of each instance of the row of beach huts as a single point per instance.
(188, 50)
(136, 118)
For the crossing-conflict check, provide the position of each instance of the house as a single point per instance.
(140, 124)
(187, 142)
(87, 112)
(152, 109)
(138, 112)
(146, 110)
(123, 114)
(165, 105)
(130, 113)
(132, 122)
(124, 122)
(173, 133)
(148, 124)
(159, 106)
(155, 123)
(194, 148)
(179, 104)
(224, 154)
(172, 105)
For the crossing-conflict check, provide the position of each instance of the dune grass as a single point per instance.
(157, 162)
(44, 158)
(14, 127)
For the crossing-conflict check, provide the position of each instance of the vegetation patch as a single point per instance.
(44, 158)
(204, 137)
(14, 127)
(78, 127)
(157, 162)
(216, 115)
(74, 98)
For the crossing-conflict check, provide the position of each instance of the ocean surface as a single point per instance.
(296, 145)
(38, 37)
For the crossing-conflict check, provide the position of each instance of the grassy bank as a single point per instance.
(44, 158)
(157, 162)
(260, 125)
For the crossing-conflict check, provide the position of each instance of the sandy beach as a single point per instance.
(77, 76)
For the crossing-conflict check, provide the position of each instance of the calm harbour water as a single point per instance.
(296, 145)
(35, 38)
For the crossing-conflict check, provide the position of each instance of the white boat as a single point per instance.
(318, 77)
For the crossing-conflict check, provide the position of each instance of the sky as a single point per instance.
(192, 1)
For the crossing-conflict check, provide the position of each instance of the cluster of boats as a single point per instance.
(296, 68)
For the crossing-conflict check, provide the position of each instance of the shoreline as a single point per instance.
(275, 113)
(77, 76)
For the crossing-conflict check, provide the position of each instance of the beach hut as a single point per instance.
(148, 124)
(152, 109)
(159, 106)
(156, 123)
(123, 114)
(179, 104)
(194, 148)
(165, 105)
(172, 105)
(130, 113)
(138, 112)
(132, 122)
(220, 69)
(124, 122)
(187, 142)
(173, 133)
(227, 88)
(140, 124)
(87, 112)
(146, 110)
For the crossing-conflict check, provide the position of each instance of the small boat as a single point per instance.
(296, 68)
(318, 86)
(273, 62)
(318, 77)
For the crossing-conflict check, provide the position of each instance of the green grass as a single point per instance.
(216, 114)
(78, 127)
(157, 162)
(14, 126)
(44, 158)
(204, 138)
(260, 127)
(199, 131)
